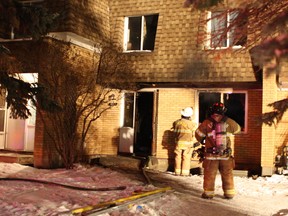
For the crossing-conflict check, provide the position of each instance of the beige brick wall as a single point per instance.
(89, 18)
(247, 150)
(268, 140)
(110, 131)
(171, 102)
(281, 138)
(103, 137)
(178, 54)
(274, 137)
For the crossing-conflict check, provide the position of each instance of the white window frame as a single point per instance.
(127, 34)
(209, 35)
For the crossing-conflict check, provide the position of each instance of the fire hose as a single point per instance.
(64, 185)
(110, 204)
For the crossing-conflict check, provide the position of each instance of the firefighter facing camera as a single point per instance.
(216, 130)
(184, 130)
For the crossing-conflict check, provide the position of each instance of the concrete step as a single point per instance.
(25, 159)
(136, 163)
(122, 162)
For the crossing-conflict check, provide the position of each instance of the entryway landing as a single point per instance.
(25, 158)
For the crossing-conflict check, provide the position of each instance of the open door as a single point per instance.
(127, 128)
(136, 134)
(20, 133)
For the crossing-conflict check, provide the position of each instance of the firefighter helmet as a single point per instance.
(218, 108)
(187, 112)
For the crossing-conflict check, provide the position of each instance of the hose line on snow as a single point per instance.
(64, 185)
(118, 201)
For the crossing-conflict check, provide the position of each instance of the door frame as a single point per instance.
(28, 133)
(125, 132)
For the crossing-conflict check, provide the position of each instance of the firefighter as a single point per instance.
(184, 130)
(215, 132)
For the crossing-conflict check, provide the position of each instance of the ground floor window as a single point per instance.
(236, 104)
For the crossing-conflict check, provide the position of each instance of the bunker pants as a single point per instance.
(225, 168)
(182, 161)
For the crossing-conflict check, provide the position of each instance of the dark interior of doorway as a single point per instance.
(143, 124)
(206, 100)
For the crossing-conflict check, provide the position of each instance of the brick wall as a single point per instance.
(89, 19)
(247, 149)
(40, 156)
(268, 133)
(274, 137)
(45, 154)
(109, 131)
(281, 138)
(178, 55)
(171, 102)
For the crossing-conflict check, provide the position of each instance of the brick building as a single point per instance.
(174, 68)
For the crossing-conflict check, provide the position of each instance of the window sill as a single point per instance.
(138, 51)
(223, 48)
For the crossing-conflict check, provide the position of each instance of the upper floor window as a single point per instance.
(24, 19)
(227, 29)
(140, 32)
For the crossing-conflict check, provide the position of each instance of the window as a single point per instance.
(227, 29)
(235, 103)
(23, 19)
(140, 32)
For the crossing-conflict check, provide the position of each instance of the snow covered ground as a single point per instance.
(93, 185)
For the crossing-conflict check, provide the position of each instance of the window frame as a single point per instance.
(228, 38)
(127, 33)
(222, 92)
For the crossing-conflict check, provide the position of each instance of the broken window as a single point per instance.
(140, 32)
(234, 102)
(227, 29)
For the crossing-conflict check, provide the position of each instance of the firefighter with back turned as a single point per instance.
(184, 130)
(215, 133)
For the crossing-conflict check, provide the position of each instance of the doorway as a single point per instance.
(18, 134)
(143, 124)
(136, 133)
